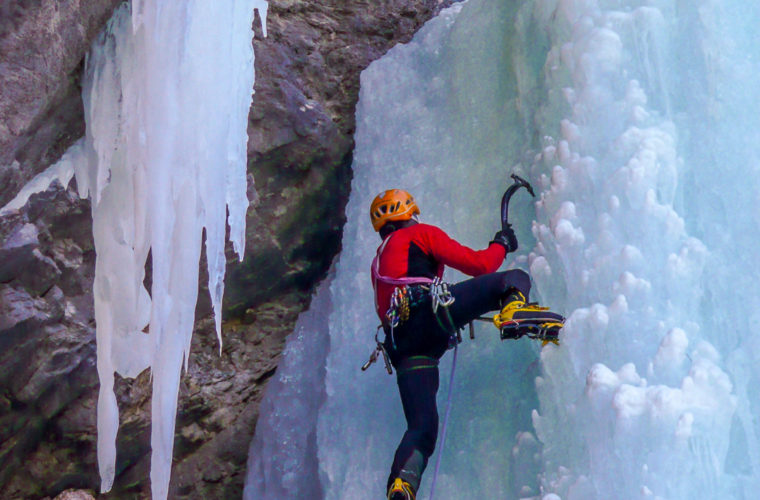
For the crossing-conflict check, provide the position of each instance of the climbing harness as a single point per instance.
(411, 295)
(399, 307)
(404, 299)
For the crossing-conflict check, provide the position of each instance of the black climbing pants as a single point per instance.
(415, 348)
(418, 386)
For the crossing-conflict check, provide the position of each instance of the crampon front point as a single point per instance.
(547, 331)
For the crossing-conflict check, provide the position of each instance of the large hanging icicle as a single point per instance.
(167, 92)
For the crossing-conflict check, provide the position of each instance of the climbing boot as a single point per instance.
(519, 318)
(400, 490)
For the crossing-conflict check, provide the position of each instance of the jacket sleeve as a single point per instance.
(453, 254)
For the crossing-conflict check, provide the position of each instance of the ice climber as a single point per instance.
(421, 315)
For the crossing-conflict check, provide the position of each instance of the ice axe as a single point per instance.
(518, 183)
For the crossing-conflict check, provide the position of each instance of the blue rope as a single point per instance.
(445, 423)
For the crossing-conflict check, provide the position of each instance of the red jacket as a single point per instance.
(422, 251)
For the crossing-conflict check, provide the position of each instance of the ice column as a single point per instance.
(167, 93)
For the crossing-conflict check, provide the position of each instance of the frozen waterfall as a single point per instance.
(167, 131)
(637, 123)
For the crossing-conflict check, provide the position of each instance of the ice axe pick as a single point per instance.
(517, 184)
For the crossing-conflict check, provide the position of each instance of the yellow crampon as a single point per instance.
(533, 327)
(400, 490)
(555, 340)
(505, 317)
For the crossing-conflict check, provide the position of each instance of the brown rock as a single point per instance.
(75, 495)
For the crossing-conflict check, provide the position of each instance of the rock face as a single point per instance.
(300, 144)
(42, 44)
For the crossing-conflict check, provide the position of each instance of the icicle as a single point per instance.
(62, 171)
(167, 131)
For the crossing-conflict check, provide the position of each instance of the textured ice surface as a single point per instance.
(637, 123)
(167, 130)
(638, 401)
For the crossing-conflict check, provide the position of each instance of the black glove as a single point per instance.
(506, 238)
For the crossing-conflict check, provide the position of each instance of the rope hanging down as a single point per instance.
(445, 423)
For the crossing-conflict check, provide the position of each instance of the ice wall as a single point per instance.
(636, 121)
(167, 91)
(282, 460)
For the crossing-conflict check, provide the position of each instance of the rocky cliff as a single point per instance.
(300, 143)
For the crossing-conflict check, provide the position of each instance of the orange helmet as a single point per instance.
(392, 205)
